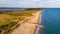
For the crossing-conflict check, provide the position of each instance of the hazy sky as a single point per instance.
(30, 3)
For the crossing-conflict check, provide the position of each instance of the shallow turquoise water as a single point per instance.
(50, 21)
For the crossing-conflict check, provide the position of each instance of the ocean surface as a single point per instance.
(50, 21)
(11, 8)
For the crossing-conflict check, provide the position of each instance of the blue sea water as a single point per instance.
(11, 8)
(50, 21)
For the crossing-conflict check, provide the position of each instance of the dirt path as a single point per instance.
(29, 26)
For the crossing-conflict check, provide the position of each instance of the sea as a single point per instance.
(12, 8)
(50, 20)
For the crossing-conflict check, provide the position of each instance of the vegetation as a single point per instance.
(8, 16)
(5, 28)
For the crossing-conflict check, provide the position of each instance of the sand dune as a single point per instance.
(29, 26)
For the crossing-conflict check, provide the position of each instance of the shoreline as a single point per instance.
(28, 28)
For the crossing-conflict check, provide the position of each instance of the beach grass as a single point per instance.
(11, 15)
(8, 16)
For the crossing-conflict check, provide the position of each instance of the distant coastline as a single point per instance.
(12, 8)
(16, 8)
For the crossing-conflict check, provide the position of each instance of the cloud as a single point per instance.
(30, 3)
(35, 0)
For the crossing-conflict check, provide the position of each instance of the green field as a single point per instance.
(8, 16)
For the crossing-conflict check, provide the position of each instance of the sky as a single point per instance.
(30, 3)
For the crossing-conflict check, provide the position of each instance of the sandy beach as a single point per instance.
(29, 26)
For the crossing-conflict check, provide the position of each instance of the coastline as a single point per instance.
(28, 28)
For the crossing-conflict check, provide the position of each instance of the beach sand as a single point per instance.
(29, 26)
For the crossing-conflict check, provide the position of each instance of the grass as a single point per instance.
(6, 18)
(9, 16)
